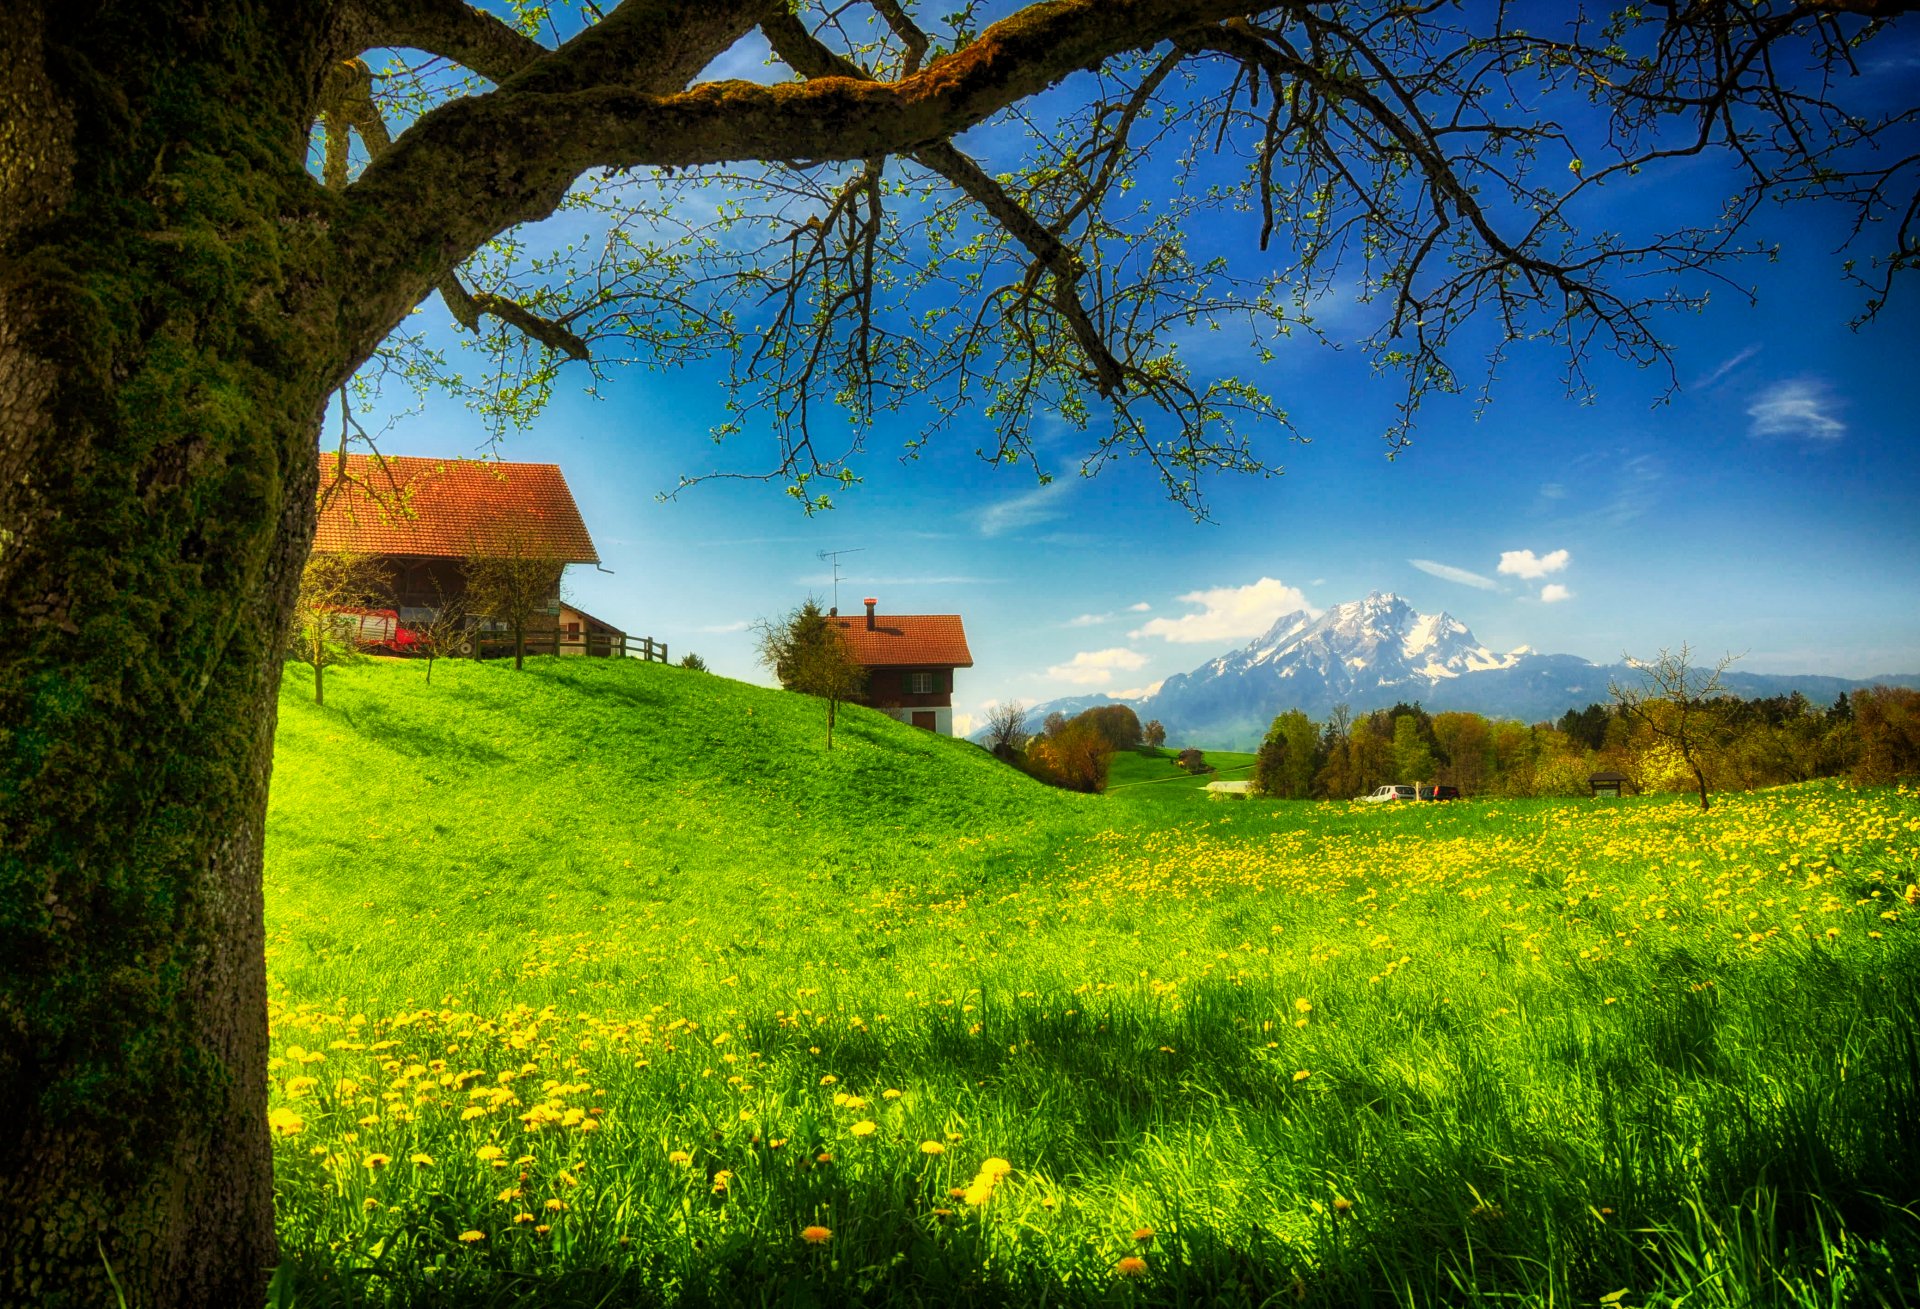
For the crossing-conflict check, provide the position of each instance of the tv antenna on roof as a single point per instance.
(834, 555)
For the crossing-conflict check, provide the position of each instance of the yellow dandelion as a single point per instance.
(865, 1127)
(1131, 1266)
(557, 1205)
(470, 1237)
(1142, 1235)
(890, 1095)
(680, 1157)
(828, 1079)
(421, 1160)
(1342, 1206)
(1302, 1075)
(816, 1235)
(541, 1229)
(488, 1152)
(932, 1147)
(523, 1218)
(1303, 1005)
(995, 1168)
(285, 1122)
(377, 1161)
(721, 1180)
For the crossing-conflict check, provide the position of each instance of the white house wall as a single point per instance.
(942, 717)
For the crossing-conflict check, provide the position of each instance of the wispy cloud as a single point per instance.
(1138, 692)
(1042, 504)
(1802, 408)
(1452, 574)
(1095, 667)
(740, 626)
(1142, 608)
(1089, 620)
(1726, 366)
(1525, 563)
(1554, 593)
(1229, 613)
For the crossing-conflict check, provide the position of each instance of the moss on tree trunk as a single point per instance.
(162, 258)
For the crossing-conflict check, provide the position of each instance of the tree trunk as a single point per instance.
(319, 681)
(168, 336)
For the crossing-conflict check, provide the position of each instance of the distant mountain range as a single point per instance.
(1371, 653)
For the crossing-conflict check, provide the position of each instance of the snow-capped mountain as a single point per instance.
(1372, 653)
(1376, 649)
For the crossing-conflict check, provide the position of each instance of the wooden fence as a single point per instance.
(600, 645)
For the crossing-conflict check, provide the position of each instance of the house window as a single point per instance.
(919, 683)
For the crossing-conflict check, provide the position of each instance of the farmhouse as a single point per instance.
(909, 660)
(422, 519)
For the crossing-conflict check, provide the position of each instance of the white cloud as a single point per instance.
(1727, 366)
(1799, 408)
(1229, 613)
(739, 626)
(1553, 491)
(1525, 563)
(1452, 574)
(1095, 667)
(1138, 692)
(1025, 510)
(1089, 620)
(963, 724)
(1142, 608)
(1554, 593)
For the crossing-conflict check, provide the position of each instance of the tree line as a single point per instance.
(1657, 742)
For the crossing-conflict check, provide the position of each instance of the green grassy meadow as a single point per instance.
(1153, 775)
(606, 984)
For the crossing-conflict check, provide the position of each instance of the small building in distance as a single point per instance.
(422, 519)
(909, 660)
(1610, 783)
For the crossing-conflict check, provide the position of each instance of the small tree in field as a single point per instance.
(1006, 727)
(442, 634)
(512, 583)
(1672, 702)
(1154, 734)
(809, 655)
(321, 635)
(693, 662)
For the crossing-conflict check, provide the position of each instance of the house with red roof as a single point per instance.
(424, 518)
(909, 660)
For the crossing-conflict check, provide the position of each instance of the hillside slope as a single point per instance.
(464, 804)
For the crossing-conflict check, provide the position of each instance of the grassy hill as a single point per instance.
(607, 983)
(1155, 775)
(492, 806)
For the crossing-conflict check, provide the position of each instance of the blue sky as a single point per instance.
(1768, 509)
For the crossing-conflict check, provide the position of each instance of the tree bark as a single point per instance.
(167, 341)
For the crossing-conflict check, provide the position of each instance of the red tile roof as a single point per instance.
(454, 508)
(907, 640)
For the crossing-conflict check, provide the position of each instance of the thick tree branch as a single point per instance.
(347, 103)
(450, 28)
(448, 185)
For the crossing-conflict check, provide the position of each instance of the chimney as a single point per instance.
(871, 602)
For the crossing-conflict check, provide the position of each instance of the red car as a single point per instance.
(378, 631)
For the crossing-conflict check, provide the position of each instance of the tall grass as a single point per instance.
(651, 984)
